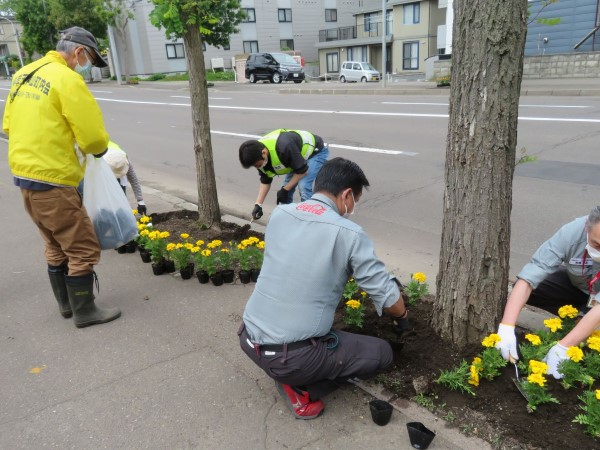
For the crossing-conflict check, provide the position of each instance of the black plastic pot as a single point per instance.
(217, 279)
(381, 411)
(245, 276)
(187, 272)
(122, 249)
(158, 268)
(169, 266)
(202, 276)
(228, 275)
(254, 273)
(145, 255)
(420, 436)
(130, 247)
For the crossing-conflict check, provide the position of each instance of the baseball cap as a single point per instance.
(84, 37)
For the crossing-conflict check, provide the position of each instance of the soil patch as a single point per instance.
(497, 414)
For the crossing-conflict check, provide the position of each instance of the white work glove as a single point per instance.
(555, 356)
(508, 341)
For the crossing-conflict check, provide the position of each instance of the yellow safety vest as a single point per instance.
(270, 141)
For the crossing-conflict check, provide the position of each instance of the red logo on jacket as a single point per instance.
(313, 209)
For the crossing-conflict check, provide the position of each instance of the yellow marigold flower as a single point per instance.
(363, 294)
(553, 324)
(575, 353)
(141, 226)
(144, 219)
(534, 339)
(134, 212)
(593, 342)
(217, 243)
(171, 247)
(538, 367)
(195, 249)
(491, 340)
(164, 234)
(354, 304)
(537, 378)
(188, 245)
(261, 245)
(254, 239)
(596, 333)
(420, 277)
(184, 235)
(144, 232)
(153, 234)
(179, 245)
(567, 311)
(206, 252)
(474, 378)
(241, 247)
(200, 243)
(225, 250)
(246, 242)
(597, 394)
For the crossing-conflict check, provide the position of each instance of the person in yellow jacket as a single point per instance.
(50, 116)
(297, 154)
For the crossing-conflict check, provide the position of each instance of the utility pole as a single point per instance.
(383, 46)
(16, 39)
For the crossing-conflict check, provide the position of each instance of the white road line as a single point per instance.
(521, 106)
(180, 96)
(344, 147)
(101, 92)
(324, 111)
(219, 98)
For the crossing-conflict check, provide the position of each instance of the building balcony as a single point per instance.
(354, 32)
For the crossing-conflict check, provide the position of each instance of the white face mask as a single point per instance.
(353, 209)
(594, 254)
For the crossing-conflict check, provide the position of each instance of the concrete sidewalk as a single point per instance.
(168, 374)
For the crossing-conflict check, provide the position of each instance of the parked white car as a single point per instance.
(358, 71)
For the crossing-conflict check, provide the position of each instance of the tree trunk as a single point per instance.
(122, 32)
(487, 67)
(208, 203)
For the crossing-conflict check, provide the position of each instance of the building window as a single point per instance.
(250, 46)
(250, 15)
(410, 58)
(412, 13)
(175, 51)
(285, 14)
(1, 29)
(227, 47)
(203, 46)
(370, 22)
(331, 15)
(286, 44)
(333, 62)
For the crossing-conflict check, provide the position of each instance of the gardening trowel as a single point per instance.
(517, 381)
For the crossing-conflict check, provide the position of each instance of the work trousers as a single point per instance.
(322, 367)
(557, 290)
(65, 227)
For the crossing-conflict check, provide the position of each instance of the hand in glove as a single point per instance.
(257, 212)
(401, 324)
(508, 341)
(283, 196)
(142, 208)
(555, 356)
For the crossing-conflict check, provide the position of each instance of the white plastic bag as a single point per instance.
(107, 205)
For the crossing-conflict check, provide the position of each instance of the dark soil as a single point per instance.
(497, 414)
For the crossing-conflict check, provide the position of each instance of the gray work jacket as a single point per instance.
(567, 248)
(310, 252)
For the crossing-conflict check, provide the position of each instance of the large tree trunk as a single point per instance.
(487, 67)
(208, 203)
(122, 32)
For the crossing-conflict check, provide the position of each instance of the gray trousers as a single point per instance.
(324, 366)
(556, 291)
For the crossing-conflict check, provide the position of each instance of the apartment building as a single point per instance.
(10, 29)
(411, 36)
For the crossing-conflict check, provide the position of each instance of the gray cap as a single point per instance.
(84, 37)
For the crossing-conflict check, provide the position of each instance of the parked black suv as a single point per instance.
(276, 67)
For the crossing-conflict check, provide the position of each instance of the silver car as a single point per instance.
(358, 71)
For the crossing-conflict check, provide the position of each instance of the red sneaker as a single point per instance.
(299, 402)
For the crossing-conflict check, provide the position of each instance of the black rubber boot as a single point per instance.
(81, 297)
(59, 287)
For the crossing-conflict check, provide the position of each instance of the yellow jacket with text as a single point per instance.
(51, 112)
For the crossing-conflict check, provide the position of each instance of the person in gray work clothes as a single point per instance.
(311, 250)
(564, 270)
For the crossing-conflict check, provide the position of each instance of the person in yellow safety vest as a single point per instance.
(122, 168)
(297, 154)
(48, 114)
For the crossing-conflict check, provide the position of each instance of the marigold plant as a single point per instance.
(350, 289)
(553, 324)
(573, 372)
(354, 313)
(416, 288)
(590, 417)
(535, 386)
(459, 379)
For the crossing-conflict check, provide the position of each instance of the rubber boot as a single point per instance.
(59, 287)
(81, 297)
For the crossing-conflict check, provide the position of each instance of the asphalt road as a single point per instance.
(399, 141)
